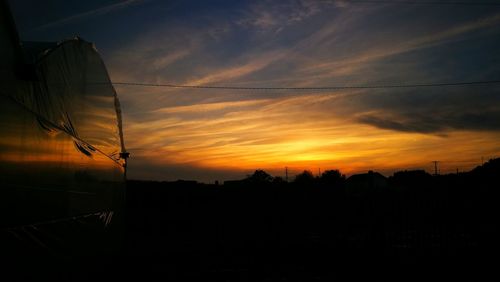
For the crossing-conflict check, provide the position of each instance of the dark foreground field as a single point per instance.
(416, 228)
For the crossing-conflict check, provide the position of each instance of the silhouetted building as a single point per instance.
(234, 183)
(410, 178)
(366, 183)
(186, 182)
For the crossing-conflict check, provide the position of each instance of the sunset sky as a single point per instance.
(214, 134)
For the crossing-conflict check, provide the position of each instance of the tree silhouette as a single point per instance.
(332, 177)
(278, 180)
(259, 176)
(306, 177)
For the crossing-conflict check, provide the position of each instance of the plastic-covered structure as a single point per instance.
(62, 156)
(60, 136)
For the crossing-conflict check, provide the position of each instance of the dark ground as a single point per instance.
(417, 229)
(420, 227)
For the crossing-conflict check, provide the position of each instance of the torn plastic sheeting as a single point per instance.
(68, 128)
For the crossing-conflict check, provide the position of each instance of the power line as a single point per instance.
(340, 87)
(416, 2)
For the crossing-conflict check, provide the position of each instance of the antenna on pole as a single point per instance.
(435, 167)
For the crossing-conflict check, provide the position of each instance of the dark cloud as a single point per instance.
(435, 122)
(409, 124)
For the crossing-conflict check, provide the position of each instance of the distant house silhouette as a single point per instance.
(235, 183)
(410, 178)
(365, 183)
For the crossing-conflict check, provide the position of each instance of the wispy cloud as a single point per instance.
(168, 59)
(386, 47)
(96, 12)
(274, 16)
(208, 107)
(296, 132)
(254, 63)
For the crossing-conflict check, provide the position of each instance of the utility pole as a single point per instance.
(319, 171)
(435, 167)
(286, 173)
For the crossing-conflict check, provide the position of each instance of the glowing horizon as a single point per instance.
(249, 135)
